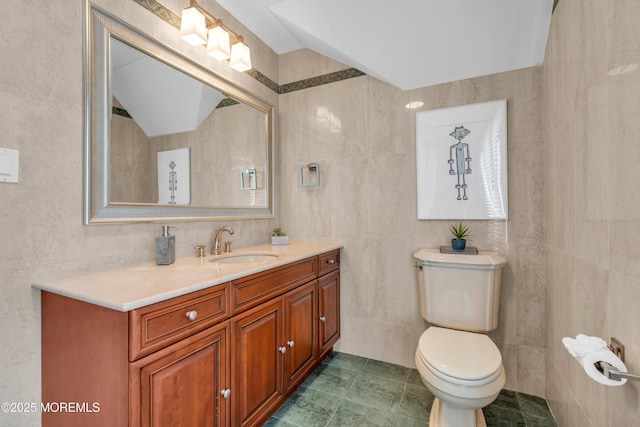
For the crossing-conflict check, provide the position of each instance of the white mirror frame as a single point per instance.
(99, 27)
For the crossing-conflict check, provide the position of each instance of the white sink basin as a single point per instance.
(244, 258)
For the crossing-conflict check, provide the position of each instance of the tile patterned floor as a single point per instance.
(348, 390)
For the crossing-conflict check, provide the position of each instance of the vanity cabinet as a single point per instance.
(227, 355)
(301, 334)
(329, 300)
(155, 326)
(274, 348)
(183, 384)
(257, 363)
(329, 291)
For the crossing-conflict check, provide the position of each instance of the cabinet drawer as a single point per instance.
(158, 325)
(329, 261)
(257, 288)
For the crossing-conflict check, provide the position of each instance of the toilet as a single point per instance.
(459, 296)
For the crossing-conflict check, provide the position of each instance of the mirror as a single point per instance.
(166, 139)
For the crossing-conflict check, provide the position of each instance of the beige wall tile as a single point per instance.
(304, 64)
(367, 201)
(571, 169)
(531, 370)
(41, 104)
(591, 94)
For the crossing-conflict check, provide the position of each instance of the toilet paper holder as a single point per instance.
(607, 370)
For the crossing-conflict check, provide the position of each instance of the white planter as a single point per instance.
(279, 240)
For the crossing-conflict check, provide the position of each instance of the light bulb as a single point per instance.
(193, 28)
(218, 46)
(240, 57)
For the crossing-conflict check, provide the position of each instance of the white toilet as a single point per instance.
(459, 295)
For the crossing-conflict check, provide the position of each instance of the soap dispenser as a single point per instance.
(165, 247)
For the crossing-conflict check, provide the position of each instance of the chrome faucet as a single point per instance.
(217, 234)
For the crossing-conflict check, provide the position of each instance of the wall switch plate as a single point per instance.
(9, 163)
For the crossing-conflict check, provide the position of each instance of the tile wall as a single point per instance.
(592, 206)
(573, 205)
(41, 115)
(362, 136)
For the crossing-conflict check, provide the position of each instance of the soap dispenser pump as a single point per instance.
(165, 247)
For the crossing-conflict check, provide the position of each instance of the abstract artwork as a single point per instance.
(174, 177)
(461, 155)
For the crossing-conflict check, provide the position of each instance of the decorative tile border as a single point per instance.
(321, 80)
(120, 112)
(171, 18)
(161, 11)
(226, 102)
(263, 79)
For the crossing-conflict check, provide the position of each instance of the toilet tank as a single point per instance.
(460, 291)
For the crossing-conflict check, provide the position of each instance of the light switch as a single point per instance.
(9, 161)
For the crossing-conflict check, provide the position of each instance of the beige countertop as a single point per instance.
(132, 287)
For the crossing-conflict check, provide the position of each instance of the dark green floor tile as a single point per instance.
(375, 392)
(416, 402)
(387, 370)
(535, 421)
(502, 417)
(414, 378)
(507, 399)
(403, 421)
(534, 405)
(355, 415)
(308, 408)
(345, 361)
(275, 422)
(331, 379)
(351, 391)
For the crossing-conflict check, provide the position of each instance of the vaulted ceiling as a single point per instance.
(406, 43)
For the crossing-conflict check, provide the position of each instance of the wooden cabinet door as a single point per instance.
(257, 362)
(329, 294)
(183, 384)
(301, 337)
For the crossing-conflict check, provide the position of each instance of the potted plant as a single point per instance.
(279, 237)
(460, 231)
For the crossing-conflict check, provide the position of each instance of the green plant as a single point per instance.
(460, 231)
(278, 232)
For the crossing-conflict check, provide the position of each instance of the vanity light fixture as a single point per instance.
(218, 46)
(196, 22)
(193, 28)
(240, 56)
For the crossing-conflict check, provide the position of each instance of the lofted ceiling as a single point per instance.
(406, 43)
(180, 105)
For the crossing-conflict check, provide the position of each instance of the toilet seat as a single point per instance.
(458, 357)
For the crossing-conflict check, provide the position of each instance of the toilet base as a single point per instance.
(443, 415)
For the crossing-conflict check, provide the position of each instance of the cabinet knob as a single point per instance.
(323, 319)
(330, 261)
(282, 350)
(225, 393)
(290, 343)
(191, 315)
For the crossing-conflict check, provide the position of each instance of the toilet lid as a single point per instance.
(458, 354)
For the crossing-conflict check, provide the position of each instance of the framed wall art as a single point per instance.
(174, 177)
(461, 155)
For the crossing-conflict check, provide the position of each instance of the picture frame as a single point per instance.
(461, 161)
(174, 176)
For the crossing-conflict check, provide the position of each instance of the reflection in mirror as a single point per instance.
(179, 141)
(159, 109)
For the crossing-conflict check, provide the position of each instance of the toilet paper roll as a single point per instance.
(588, 351)
(590, 359)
